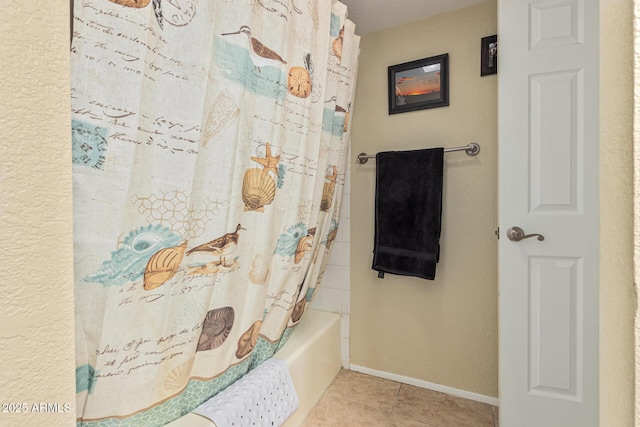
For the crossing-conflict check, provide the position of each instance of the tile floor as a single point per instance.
(355, 399)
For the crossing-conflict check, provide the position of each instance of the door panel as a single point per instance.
(553, 138)
(548, 184)
(553, 306)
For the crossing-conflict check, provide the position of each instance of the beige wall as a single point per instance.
(617, 295)
(442, 331)
(36, 273)
(636, 216)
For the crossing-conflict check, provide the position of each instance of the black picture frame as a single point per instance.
(420, 84)
(489, 55)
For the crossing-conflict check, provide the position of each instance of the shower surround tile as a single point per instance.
(343, 230)
(334, 290)
(345, 352)
(339, 254)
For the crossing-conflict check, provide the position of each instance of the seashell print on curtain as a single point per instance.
(210, 143)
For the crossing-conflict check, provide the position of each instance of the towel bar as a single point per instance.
(472, 149)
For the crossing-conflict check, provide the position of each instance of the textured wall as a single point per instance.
(636, 163)
(36, 273)
(442, 331)
(617, 294)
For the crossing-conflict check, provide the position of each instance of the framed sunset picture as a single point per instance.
(419, 84)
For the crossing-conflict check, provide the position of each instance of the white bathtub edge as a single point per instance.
(313, 363)
(314, 359)
(427, 385)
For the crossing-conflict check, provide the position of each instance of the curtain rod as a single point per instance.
(471, 149)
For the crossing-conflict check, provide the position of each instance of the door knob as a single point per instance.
(515, 234)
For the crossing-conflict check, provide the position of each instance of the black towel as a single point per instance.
(408, 212)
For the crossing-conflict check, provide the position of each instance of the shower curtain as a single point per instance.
(210, 142)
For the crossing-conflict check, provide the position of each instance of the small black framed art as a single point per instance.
(489, 56)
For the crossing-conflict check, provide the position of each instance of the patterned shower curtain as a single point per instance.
(210, 141)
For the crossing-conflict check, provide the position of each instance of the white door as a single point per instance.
(548, 160)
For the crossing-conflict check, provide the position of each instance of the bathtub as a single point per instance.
(313, 356)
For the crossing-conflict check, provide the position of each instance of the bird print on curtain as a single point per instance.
(209, 157)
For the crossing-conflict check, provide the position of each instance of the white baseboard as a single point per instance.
(426, 384)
